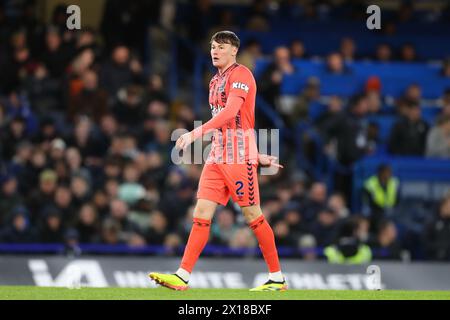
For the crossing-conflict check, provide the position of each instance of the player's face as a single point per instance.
(222, 54)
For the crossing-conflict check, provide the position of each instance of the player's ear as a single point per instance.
(234, 51)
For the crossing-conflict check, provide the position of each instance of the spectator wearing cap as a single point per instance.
(408, 135)
(438, 139)
(373, 93)
(19, 229)
(9, 196)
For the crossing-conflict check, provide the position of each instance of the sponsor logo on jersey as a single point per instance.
(240, 85)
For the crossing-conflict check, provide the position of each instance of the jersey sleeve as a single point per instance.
(240, 82)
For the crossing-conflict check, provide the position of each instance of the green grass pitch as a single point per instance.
(49, 293)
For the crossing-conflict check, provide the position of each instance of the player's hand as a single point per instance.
(184, 141)
(266, 160)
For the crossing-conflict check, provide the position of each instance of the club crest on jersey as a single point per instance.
(240, 85)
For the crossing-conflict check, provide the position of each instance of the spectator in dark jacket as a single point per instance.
(409, 134)
(120, 71)
(19, 230)
(87, 225)
(51, 230)
(437, 233)
(385, 245)
(9, 197)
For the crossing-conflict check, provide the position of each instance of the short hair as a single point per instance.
(226, 37)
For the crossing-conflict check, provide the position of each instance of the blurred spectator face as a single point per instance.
(225, 219)
(86, 38)
(162, 132)
(17, 127)
(361, 107)
(21, 55)
(293, 217)
(48, 182)
(445, 209)
(53, 221)
(131, 173)
(88, 214)
(82, 129)
(373, 101)
(38, 158)
(112, 188)
(19, 40)
(172, 240)
(337, 203)
(57, 150)
(414, 92)
(90, 80)
(53, 40)
(335, 105)
(297, 49)
(9, 187)
(348, 48)
(121, 55)
(24, 152)
(284, 193)
(408, 53)
(327, 218)
(282, 56)
(19, 222)
(110, 231)
(79, 187)
(157, 109)
(446, 68)
(108, 124)
(63, 197)
(318, 192)
(363, 229)
(413, 113)
(243, 238)
(385, 175)
(154, 160)
(119, 209)
(112, 169)
(155, 83)
(335, 63)
(100, 199)
(73, 158)
(83, 61)
(158, 221)
(384, 53)
(388, 234)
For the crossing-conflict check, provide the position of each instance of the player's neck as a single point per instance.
(223, 69)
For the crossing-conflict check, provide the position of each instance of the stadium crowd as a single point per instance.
(85, 142)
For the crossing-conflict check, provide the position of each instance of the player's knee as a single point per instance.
(204, 211)
(251, 213)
